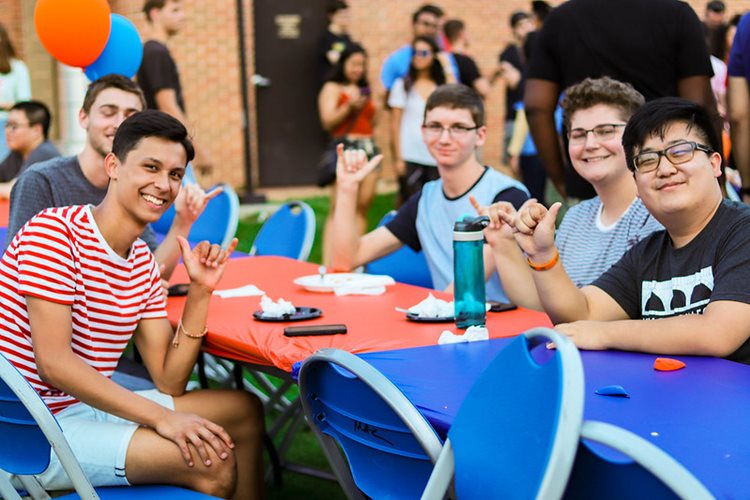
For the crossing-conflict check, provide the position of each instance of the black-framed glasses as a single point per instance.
(456, 130)
(13, 126)
(679, 153)
(603, 132)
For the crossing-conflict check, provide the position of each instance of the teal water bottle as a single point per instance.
(468, 271)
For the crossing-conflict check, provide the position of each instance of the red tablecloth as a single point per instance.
(4, 212)
(372, 321)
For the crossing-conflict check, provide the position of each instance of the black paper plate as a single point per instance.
(420, 319)
(301, 314)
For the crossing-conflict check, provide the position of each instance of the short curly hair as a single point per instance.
(605, 90)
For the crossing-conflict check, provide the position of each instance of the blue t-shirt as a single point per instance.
(739, 57)
(425, 222)
(397, 64)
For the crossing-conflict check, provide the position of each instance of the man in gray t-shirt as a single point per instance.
(26, 134)
(82, 179)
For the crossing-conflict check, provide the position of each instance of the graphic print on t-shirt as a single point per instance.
(677, 296)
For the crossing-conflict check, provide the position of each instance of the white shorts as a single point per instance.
(99, 441)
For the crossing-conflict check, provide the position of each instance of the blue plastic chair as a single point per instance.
(289, 232)
(28, 429)
(217, 224)
(516, 433)
(645, 471)
(389, 445)
(404, 265)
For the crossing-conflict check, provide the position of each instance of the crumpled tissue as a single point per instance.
(433, 308)
(277, 309)
(473, 333)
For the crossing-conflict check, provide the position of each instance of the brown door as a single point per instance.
(290, 138)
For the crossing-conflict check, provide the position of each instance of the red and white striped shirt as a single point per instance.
(61, 256)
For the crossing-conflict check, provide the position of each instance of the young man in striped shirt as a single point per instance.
(78, 283)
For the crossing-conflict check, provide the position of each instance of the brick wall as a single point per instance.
(207, 54)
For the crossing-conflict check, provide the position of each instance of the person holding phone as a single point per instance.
(348, 113)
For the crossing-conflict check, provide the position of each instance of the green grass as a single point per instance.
(305, 448)
(249, 226)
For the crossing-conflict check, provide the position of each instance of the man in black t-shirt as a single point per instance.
(468, 71)
(655, 45)
(158, 76)
(690, 280)
(335, 39)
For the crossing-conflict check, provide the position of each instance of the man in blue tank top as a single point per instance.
(453, 129)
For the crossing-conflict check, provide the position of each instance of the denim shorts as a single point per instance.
(99, 441)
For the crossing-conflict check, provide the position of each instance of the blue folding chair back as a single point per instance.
(389, 445)
(218, 222)
(639, 470)
(404, 265)
(289, 232)
(516, 433)
(28, 429)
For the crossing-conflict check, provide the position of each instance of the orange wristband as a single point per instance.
(547, 265)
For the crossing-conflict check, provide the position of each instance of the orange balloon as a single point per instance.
(73, 31)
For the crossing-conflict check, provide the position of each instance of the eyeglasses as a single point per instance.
(423, 52)
(435, 130)
(603, 132)
(427, 24)
(677, 154)
(13, 126)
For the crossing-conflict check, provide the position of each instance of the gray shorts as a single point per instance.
(99, 441)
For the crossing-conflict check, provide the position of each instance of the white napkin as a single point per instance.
(277, 309)
(243, 291)
(433, 308)
(472, 334)
(365, 284)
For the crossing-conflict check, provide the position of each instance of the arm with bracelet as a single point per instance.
(170, 356)
(534, 227)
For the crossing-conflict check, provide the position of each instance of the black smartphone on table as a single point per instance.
(501, 306)
(302, 331)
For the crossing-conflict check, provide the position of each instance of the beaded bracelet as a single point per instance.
(547, 265)
(176, 338)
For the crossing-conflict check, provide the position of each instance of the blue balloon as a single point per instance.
(123, 53)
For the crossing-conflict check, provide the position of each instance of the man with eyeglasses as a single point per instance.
(26, 134)
(425, 22)
(690, 280)
(453, 129)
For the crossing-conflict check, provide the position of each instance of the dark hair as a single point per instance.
(605, 90)
(338, 74)
(457, 96)
(148, 5)
(453, 29)
(111, 82)
(716, 6)
(655, 117)
(517, 17)
(735, 20)
(335, 6)
(541, 9)
(150, 123)
(427, 8)
(36, 112)
(437, 73)
(7, 51)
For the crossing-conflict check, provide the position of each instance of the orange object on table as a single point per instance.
(373, 323)
(4, 212)
(668, 364)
